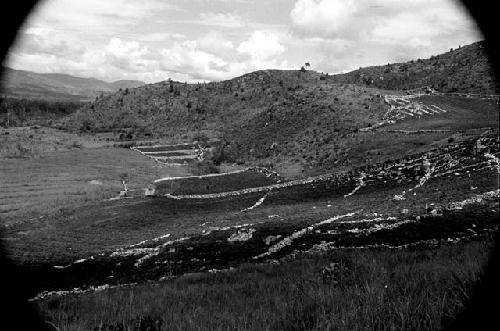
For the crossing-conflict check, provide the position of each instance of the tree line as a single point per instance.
(20, 112)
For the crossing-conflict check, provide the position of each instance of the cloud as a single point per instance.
(127, 55)
(225, 20)
(186, 58)
(89, 12)
(264, 50)
(233, 1)
(262, 46)
(47, 41)
(161, 36)
(430, 23)
(324, 17)
(216, 43)
(346, 34)
(215, 58)
(153, 40)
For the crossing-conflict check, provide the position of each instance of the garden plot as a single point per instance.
(177, 154)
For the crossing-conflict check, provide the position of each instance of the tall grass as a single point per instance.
(367, 290)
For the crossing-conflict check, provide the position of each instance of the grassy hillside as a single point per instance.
(302, 120)
(171, 107)
(465, 69)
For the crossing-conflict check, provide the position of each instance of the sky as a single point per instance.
(212, 40)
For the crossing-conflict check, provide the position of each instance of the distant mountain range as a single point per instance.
(27, 84)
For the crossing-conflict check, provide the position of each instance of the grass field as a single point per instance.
(420, 289)
(38, 186)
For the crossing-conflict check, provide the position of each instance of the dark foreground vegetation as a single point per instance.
(349, 289)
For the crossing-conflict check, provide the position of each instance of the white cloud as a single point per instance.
(152, 40)
(265, 51)
(91, 12)
(324, 17)
(161, 36)
(225, 20)
(346, 34)
(47, 41)
(120, 48)
(262, 45)
(186, 58)
(424, 25)
(216, 43)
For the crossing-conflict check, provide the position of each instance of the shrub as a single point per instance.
(205, 167)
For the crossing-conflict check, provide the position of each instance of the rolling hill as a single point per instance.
(27, 84)
(302, 122)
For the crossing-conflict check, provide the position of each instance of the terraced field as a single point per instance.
(178, 154)
(448, 194)
(438, 112)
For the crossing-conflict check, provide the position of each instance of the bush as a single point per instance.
(205, 167)
(217, 156)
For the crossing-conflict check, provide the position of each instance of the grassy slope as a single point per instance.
(162, 107)
(465, 69)
(58, 180)
(167, 108)
(299, 121)
(377, 289)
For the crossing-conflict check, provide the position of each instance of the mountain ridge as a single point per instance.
(58, 86)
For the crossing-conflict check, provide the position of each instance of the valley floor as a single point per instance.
(396, 245)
